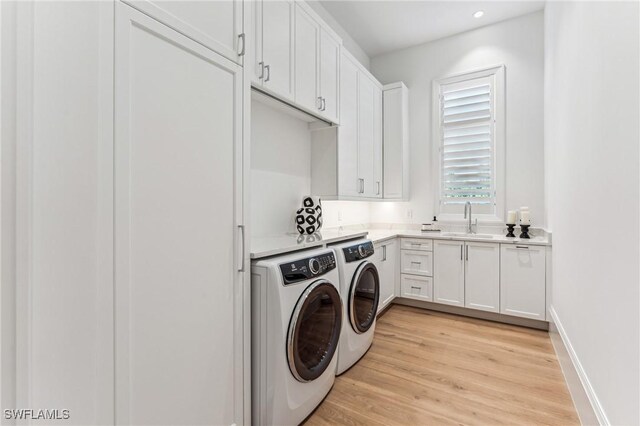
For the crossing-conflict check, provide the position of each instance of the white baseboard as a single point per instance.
(584, 398)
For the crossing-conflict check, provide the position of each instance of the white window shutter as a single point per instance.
(467, 145)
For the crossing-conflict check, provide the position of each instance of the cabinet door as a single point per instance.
(386, 253)
(348, 178)
(307, 36)
(366, 135)
(329, 68)
(482, 276)
(377, 142)
(448, 272)
(522, 281)
(215, 24)
(254, 63)
(395, 143)
(178, 293)
(277, 47)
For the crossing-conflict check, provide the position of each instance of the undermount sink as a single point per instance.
(465, 235)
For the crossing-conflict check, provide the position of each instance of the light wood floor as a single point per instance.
(429, 368)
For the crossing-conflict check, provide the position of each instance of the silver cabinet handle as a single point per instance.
(378, 188)
(360, 186)
(241, 229)
(384, 253)
(261, 76)
(467, 252)
(416, 288)
(413, 262)
(522, 247)
(461, 253)
(324, 104)
(320, 102)
(241, 37)
(268, 69)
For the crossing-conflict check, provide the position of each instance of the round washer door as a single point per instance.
(363, 297)
(314, 331)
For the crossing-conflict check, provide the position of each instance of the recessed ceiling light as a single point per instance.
(478, 14)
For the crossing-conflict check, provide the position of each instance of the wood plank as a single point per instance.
(427, 367)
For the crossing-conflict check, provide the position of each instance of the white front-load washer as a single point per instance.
(360, 291)
(296, 324)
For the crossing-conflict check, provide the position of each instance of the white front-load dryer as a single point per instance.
(296, 324)
(360, 291)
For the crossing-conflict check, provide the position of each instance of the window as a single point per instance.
(469, 131)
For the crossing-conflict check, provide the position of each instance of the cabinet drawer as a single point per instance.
(417, 244)
(415, 287)
(416, 262)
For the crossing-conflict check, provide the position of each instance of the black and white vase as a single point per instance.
(309, 216)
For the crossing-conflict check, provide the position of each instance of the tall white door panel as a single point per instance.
(215, 24)
(178, 293)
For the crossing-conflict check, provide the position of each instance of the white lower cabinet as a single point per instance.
(448, 272)
(482, 276)
(416, 287)
(522, 281)
(385, 260)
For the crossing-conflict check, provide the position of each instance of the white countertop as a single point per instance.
(377, 235)
(279, 244)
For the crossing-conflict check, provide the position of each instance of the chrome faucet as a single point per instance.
(470, 229)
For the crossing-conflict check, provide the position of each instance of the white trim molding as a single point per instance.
(584, 397)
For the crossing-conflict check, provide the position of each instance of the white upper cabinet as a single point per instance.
(366, 96)
(396, 141)
(377, 142)
(307, 41)
(369, 136)
(448, 272)
(217, 25)
(273, 61)
(179, 336)
(482, 276)
(329, 72)
(296, 56)
(347, 158)
(522, 281)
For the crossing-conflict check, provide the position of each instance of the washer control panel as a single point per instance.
(358, 251)
(307, 268)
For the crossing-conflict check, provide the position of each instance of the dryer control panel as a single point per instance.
(358, 251)
(304, 269)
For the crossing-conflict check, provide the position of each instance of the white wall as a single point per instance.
(591, 138)
(280, 175)
(280, 164)
(516, 43)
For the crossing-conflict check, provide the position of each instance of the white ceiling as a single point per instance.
(383, 26)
